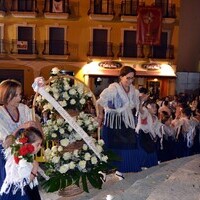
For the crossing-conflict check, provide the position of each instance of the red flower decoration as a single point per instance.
(23, 140)
(17, 159)
(22, 150)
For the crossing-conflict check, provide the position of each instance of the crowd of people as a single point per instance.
(143, 130)
(140, 129)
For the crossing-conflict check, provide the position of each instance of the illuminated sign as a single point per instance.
(110, 64)
(151, 66)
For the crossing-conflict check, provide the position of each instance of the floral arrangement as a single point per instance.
(68, 159)
(22, 150)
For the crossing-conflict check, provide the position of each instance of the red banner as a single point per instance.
(149, 25)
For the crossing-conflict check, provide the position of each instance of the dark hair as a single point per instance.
(165, 117)
(31, 133)
(8, 90)
(143, 90)
(126, 70)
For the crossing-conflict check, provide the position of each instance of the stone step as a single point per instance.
(135, 186)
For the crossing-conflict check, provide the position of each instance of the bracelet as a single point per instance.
(35, 175)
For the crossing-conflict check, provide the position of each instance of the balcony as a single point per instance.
(128, 51)
(61, 11)
(56, 49)
(101, 10)
(24, 9)
(24, 49)
(129, 11)
(100, 50)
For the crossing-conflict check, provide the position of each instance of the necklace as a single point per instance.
(14, 115)
(126, 89)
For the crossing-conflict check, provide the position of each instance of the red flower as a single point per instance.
(17, 159)
(23, 140)
(23, 150)
(30, 148)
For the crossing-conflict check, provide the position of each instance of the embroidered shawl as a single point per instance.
(118, 105)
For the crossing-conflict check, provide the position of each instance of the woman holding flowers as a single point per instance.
(12, 115)
(116, 109)
(21, 169)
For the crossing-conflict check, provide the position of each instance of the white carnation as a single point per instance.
(62, 130)
(72, 101)
(87, 156)
(63, 169)
(66, 155)
(101, 142)
(82, 101)
(60, 148)
(55, 159)
(54, 135)
(82, 164)
(54, 149)
(72, 165)
(64, 142)
(85, 147)
(94, 160)
(60, 121)
(104, 158)
(72, 91)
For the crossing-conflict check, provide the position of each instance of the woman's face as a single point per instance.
(152, 108)
(16, 99)
(128, 79)
(37, 145)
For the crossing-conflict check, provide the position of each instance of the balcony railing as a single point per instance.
(24, 8)
(129, 51)
(100, 49)
(64, 8)
(168, 10)
(104, 7)
(129, 8)
(24, 48)
(56, 47)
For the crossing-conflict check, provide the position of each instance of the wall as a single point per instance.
(189, 40)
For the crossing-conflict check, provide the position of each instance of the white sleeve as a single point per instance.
(107, 95)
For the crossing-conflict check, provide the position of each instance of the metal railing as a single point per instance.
(129, 8)
(24, 47)
(24, 6)
(48, 7)
(100, 49)
(103, 7)
(56, 47)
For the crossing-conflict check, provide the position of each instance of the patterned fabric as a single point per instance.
(118, 105)
(7, 125)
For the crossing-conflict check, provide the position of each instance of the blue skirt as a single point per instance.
(127, 151)
(16, 196)
(147, 150)
(2, 165)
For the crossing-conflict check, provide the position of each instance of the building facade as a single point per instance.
(91, 39)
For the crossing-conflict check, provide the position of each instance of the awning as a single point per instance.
(142, 70)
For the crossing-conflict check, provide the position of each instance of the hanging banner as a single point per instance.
(57, 6)
(149, 26)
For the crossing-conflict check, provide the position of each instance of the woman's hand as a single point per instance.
(34, 172)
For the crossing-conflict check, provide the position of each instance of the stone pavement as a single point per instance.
(178, 179)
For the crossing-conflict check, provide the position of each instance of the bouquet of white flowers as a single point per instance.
(63, 164)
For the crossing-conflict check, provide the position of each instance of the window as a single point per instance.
(102, 6)
(129, 47)
(129, 7)
(25, 40)
(161, 50)
(100, 43)
(25, 5)
(56, 43)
